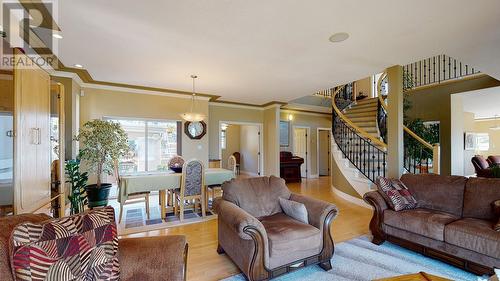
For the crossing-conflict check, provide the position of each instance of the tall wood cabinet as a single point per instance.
(32, 144)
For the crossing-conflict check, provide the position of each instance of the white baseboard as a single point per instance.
(350, 198)
(315, 176)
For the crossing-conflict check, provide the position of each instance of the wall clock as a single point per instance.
(195, 130)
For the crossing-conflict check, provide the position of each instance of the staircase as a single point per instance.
(364, 115)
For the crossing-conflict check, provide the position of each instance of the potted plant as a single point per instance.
(103, 143)
(78, 181)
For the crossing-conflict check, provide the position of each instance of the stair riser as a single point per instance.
(362, 109)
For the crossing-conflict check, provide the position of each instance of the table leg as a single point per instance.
(162, 204)
(206, 198)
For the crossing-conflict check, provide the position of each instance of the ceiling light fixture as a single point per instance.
(338, 37)
(78, 65)
(57, 35)
(192, 116)
(497, 126)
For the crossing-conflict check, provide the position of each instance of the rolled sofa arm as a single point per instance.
(238, 219)
(379, 206)
(153, 258)
(317, 210)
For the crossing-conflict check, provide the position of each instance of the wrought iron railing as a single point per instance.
(435, 70)
(366, 152)
(382, 120)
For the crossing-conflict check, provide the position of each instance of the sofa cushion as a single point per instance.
(257, 196)
(83, 246)
(479, 194)
(474, 234)
(396, 194)
(436, 192)
(428, 223)
(295, 210)
(290, 240)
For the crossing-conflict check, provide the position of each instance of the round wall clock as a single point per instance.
(195, 130)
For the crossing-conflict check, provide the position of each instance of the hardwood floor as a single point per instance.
(205, 264)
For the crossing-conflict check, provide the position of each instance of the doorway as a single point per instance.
(245, 139)
(301, 147)
(324, 150)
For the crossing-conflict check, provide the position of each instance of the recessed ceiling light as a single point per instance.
(57, 36)
(79, 65)
(339, 37)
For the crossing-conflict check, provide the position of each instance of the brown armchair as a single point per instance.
(264, 242)
(481, 166)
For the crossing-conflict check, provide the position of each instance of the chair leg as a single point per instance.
(181, 215)
(146, 198)
(220, 250)
(169, 198)
(203, 205)
(326, 265)
(121, 213)
(195, 206)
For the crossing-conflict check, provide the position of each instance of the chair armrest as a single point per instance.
(317, 210)
(153, 258)
(238, 219)
(375, 199)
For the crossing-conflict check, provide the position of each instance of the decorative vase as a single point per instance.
(98, 197)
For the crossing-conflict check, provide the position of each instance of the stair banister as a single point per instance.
(434, 148)
(359, 130)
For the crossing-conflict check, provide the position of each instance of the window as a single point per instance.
(223, 139)
(483, 141)
(152, 143)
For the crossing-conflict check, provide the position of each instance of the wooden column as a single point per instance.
(395, 143)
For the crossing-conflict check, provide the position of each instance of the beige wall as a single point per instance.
(98, 103)
(434, 104)
(484, 127)
(271, 141)
(232, 143)
(313, 121)
(249, 148)
(219, 113)
(365, 86)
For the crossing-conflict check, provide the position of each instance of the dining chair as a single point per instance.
(132, 197)
(192, 188)
(174, 162)
(231, 165)
(237, 157)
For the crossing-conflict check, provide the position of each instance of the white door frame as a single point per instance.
(329, 145)
(260, 168)
(308, 147)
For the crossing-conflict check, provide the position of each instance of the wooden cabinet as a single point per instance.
(32, 145)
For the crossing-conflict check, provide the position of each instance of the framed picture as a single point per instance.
(284, 133)
(469, 141)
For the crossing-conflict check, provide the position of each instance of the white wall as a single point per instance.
(457, 135)
(249, 148)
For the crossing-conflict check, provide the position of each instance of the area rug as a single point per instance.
(359, 259)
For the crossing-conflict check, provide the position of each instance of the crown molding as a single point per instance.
(305, 112)
(231, 105)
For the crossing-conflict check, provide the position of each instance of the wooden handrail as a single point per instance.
(360, 131)
(406, 129)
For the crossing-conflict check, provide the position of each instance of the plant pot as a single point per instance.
(97, 197)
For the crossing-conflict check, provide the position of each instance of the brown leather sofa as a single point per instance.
(493, 160)
(453, 222)
(264, 242)
(140, 258)
(481, 166)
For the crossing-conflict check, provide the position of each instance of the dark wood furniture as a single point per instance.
(290, 167)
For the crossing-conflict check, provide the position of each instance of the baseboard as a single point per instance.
(249, 173)
(352, 199)
(315, 176)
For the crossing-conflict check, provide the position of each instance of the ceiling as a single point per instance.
(274, 50)
(484, 103)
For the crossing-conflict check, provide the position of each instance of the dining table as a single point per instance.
(162, 181)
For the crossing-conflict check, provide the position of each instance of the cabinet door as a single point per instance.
(32, 140)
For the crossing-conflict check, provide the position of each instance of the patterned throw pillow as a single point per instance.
(396, 194)
(81, 247)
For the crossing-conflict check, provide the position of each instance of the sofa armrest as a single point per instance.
(153, 258)
(496, 207)
(317, 210)
(375, 199)
(238, 219)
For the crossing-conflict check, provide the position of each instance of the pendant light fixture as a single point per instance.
(192, 116)
(497, 126)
